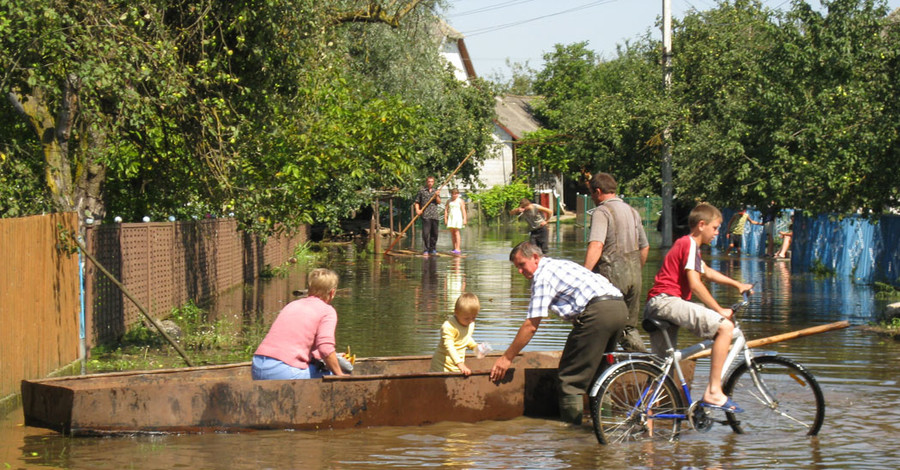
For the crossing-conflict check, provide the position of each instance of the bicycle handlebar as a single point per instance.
(738, 306)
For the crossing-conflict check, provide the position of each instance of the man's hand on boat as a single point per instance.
(499, 369)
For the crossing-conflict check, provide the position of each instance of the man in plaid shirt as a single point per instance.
(574, 293)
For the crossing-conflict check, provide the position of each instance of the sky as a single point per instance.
(523, 30)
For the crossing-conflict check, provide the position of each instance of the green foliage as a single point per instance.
(281, 112)
(142, 347)
(500, 199)
(820, 270)
(885, 291)
(21, 191)
(794, 107)
(520, 83)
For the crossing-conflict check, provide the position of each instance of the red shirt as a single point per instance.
(672, 276)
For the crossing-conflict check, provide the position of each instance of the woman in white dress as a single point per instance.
(455, 218)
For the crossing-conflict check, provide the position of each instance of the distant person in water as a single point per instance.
(455, 218)
(301, 344)
(427, 206)
(735, 233)
(536, 216)
(786, 238)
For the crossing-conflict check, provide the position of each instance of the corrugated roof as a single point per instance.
(514, 114)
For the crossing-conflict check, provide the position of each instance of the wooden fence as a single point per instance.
(163, 265)
(39, 299)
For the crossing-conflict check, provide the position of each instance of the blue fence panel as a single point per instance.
(851, 247)
(754, 243)
(889, 252)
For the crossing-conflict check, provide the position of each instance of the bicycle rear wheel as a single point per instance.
(615, 411)
(796, 406)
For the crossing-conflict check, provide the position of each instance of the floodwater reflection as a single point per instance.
(394, 306)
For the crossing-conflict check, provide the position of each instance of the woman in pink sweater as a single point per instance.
(302, 335)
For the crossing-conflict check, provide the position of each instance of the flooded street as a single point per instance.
(394, 305)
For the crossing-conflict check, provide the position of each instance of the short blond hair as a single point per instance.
(467, 303)
(321, 282)
(703, 212)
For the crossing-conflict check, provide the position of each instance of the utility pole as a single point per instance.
(667, 134)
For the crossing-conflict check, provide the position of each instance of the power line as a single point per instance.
(491, 29)
(490, 8)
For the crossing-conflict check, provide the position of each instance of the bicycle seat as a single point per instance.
(654, 324)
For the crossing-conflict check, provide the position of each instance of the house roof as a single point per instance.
(443, 30)
(514, 114)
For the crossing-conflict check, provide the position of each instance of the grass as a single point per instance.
(305, 253)
(143, 348)
(884, 291)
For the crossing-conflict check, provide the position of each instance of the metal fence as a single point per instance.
(648, 207)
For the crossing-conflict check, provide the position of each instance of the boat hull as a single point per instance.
(381, 392)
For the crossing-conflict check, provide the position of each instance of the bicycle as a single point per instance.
(636, 397)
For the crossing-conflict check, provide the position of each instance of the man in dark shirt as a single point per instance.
(430, 212)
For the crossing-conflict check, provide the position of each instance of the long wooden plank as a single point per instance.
(784, 337)
(433, 196)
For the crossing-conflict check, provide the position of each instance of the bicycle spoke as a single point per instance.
(620, 410)
(778, 395)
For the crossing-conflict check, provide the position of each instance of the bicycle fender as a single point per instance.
(595, 387)
(762, 353)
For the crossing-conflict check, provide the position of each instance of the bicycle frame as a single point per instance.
(672, 359)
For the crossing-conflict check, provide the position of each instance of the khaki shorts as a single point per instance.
(696, 318)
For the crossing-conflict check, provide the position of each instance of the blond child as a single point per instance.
(456, 337)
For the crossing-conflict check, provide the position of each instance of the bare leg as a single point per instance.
(456, 237)
(720, 346)
(785, 246)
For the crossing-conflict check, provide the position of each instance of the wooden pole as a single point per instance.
(784, 337)
(136, 303)
(436, 192)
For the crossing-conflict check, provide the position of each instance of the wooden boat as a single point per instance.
(396, 391)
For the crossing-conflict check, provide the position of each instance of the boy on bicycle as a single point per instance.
(682, 274)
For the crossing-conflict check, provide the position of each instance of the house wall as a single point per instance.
(450, 51)
(498, 169)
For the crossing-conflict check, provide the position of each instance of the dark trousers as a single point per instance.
(624, 272)
(430, 233)
(594, 332)
(541, 239)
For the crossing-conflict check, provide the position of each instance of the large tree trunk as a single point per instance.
(74, 186)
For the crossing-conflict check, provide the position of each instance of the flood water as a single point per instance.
(391, 305)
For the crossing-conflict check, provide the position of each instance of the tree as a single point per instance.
(798, 108)
(258, 108)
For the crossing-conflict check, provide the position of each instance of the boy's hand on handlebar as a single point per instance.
(746, 288)
(727, 313)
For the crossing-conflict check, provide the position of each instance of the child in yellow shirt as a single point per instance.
(456, 336)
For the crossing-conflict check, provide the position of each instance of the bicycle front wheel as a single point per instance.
(787, 398)
(622, 411)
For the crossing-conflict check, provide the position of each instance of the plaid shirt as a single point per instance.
(565, 288)
(433, 211)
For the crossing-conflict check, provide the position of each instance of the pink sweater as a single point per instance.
(303, 329)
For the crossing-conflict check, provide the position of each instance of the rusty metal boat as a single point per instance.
(393, 391)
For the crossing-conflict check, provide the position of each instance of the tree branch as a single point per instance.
(375, 13)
